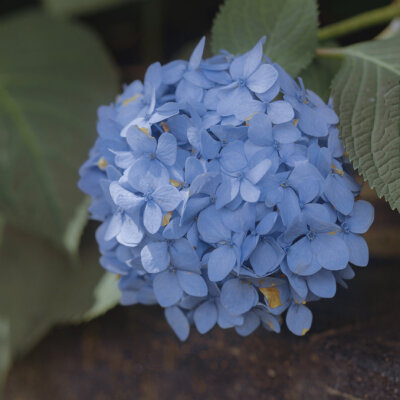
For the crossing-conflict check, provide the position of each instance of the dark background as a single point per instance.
(353, 350)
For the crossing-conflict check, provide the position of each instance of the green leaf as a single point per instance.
(318, 76)
(5, 351)
(290, 27)
(53, 76)
(74, 7)
(40, 288)
(106, 294)
(366, 95)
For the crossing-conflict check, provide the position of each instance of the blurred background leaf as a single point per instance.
(366, 95)
(5, 351)
(106, 296)
(53, 76)
(74, 7)
(318, 76)
(290, 27)
(39, 288)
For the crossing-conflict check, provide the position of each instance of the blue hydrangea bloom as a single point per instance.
(224, 195)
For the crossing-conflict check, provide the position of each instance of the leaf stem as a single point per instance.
(361, 21)
(330, 52)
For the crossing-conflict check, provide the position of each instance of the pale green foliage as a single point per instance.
(53, 76)
(366, 95)
(290, 27)
(106, 296)
(39, 287)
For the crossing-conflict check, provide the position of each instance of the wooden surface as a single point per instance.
(352, 351)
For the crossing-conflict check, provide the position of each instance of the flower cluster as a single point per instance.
(222, 189)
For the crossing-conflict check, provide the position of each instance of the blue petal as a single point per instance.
(240, 220)
(167, 289)
(226, 192)
(174, 230)
(131, 233)
(184, 257)
(104, 245)
(205, 316)
(145, 175)
(139, 142)
(260, 130)
(155, 257)
(232, 157)
(307, 180)
(340, 197)
(124, 198)
(286, 133)
(211, 227)
(297, 228)
(114, 224)
(318, 217)
(257, 172)
(330, 250)
(209, 146)
(173, 71)
(220, 77)
(221, 262)
(178, 126)
(299, 256)
(113, 265)
(289, 206)
(270, 322)
(270, 94)
(192, 283)
(297, 282)
(226, 319)
(165, 111)
(267, 223)
(310, 121)
(197, 54)
(197, 78)
(299, 319)
(238, 296)
(178, 322)
(228, 133)
(152, 78)
(166, 149)
(322, 284)
(325, 110)
(193, 206)
(249, 244)
(249, 192)
(244, 65)
(244, 109)
(280, 111)
(250, 324)
(167, 197)
(266, 257)
(193, 168)
(187, 92)
(335, 145)
(262, 78)
(358, 248)
(361, 217)
(152, 217)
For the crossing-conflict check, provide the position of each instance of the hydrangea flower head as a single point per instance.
(224, 195)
